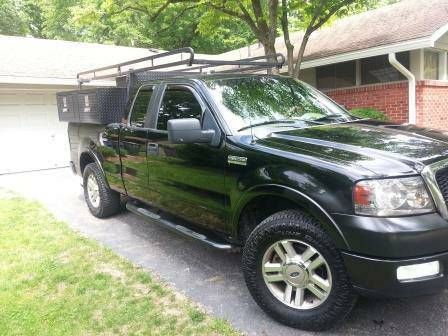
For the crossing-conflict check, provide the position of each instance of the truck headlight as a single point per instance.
(392, 197)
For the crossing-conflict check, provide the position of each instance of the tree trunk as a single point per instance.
(305, 39)
(269, 50)
(290, 57)
(288, 44)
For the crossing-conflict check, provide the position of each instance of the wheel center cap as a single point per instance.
(295, 274)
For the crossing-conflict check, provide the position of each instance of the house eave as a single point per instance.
(425, 42)
(72, 82)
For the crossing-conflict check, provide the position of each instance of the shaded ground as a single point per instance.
(211, 277)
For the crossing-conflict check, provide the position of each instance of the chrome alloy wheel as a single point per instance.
(296, 274)
(93, 191)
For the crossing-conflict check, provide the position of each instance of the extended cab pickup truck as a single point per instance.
(324, 205)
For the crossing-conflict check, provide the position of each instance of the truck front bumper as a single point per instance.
(379, 246)
(378, 277)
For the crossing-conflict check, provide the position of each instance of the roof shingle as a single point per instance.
(399, 22)
(40, 58)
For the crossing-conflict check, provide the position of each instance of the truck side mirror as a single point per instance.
(189, 130)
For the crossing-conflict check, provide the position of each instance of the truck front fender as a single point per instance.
(302, 201)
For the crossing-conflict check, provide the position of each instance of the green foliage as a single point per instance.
(11, 19)
(123, 152)
(128, 23)
(34, 18)
(369, 112)
(107, 152)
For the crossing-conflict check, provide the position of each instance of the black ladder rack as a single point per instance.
(187, 64)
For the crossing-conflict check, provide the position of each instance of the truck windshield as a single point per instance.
(273, 102)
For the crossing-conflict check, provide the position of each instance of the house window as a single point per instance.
(378, 69)
(431, 64)
(337, 75)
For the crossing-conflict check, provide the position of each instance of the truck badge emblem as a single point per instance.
(237, 160)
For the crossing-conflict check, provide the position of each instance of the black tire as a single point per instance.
(109, 200)
(292, 224)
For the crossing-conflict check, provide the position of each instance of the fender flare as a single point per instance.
(96, 158)
(302, 200)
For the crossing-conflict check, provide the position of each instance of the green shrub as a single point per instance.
(369, 112)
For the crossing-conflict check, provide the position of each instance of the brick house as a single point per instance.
(393, 59)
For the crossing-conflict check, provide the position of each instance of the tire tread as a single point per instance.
(109, 199)
(297, 224)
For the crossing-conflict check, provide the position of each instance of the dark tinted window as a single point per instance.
(178, 103)
(337, 75)
(141, 106)
(378, 69)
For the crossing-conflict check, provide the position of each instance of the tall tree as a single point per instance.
(140, 23)
(209, 26)
(265, 18)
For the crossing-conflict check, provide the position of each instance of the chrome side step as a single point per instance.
(182, 229)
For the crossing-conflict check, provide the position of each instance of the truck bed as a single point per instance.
(82, 136)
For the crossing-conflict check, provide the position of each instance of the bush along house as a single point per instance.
(392, 59)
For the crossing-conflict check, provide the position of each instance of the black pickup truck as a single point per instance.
(324, 205)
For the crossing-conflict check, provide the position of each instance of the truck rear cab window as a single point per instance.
(178, 103)
(140, 107)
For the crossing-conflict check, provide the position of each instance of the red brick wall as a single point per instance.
(432, 104)
(390, 98)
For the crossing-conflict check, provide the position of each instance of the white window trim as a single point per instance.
(443, 68)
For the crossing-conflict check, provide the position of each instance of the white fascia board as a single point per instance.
(439, 33)
(49, 81)
(425, 42)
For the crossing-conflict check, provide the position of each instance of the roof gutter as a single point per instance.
(411, 87)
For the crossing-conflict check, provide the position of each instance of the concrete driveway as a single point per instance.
(210, 277)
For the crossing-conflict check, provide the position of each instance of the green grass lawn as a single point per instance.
(55, 282)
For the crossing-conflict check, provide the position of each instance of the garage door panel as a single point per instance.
(9, 98)
(30, 133)
(34, 99)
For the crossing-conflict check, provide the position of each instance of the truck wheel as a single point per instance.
(101, 200)
(295, 273)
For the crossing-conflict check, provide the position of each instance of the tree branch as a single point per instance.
(286, 38)
(245, 16)
(316, 22)
(178, 16)
(159, 11)
(331, 12)
(133, 8)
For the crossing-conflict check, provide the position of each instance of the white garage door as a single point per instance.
(31, 136)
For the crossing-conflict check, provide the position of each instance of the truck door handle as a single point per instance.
(153, 148)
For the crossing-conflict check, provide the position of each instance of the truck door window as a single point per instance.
(178, 103)
(140, 106)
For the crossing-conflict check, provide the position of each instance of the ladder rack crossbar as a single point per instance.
(246, 64)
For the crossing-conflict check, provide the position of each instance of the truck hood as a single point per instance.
(382, 148)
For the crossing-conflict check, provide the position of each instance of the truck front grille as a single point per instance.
(442, 181)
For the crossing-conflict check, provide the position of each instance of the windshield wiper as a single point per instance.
(268, 122)
(328, 117)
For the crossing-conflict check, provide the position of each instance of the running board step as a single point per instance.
(184, 230)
